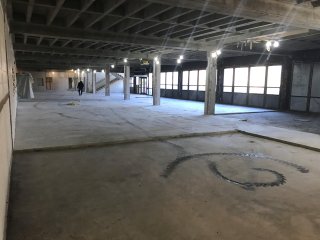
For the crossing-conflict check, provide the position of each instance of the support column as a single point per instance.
(93, 82)
(210, 95)
(107, 77)
(87, 83)
(126, 82)
(156, 81)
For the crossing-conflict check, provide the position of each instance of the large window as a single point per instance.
(202, 80)
(257, 80)
(228, 80)
(169, 80)
(193, 80)
(262, 79)
(163, 80)
(175, 80)
(241, 80)
(185, 80)
(274, 80)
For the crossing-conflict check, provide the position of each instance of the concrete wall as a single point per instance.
(8, 101)
(60, 80)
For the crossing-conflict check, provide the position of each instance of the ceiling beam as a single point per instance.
(80, 51)
(29, 10)
(109, 6)
(85, 5)
(91, 35)
(54, 12)
(278, 11)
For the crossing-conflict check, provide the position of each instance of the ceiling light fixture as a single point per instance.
(112, 65)
(216, 54)
(125, 60)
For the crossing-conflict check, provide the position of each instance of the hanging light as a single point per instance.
(179, 61)
(276, 44)
(102, 70)
(88, 69)
(94, 71)
(181, 57)
(112, 65)
(125, 60)
(216, 54)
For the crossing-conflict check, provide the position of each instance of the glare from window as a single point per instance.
(228, 77)
(241, 80)
(257, 79)
(274, 80)
(169, 80)
(185, 80)
(163, 80)
(175, 80)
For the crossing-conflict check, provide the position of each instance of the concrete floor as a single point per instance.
(162, 172)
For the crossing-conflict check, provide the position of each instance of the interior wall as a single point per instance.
(7, 115)
(60, 80)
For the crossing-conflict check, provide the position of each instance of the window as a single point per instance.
(274, 80)
(163, 80)
(257, 79)
(150, 80)
(241, 80)
(131, 82)
(175, 80)
(193, 80)
(228, 80)
(169, 80)
(202, 80)
(185, 80)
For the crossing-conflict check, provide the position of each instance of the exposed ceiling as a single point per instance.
(91, 33)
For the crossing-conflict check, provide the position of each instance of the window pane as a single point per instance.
(257, 76)
(192, 87)
(175, 87)
(185, 87)
(227, 89)
(150, 80)
(273, 91)
(193, 77)
(202, 88)
(169, 80)
(256, 90)
(274, 76)
(240, 89)
(202, 77)
(175, 78)
(241, 77)
(163, 78)
(228, 77)
(185, 78)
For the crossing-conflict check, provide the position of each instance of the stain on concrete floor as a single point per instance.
(118, 192)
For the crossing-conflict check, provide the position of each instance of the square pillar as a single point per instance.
(126, 82)
(210, 94)
(107, 77)
(94, 82)
(156, 81)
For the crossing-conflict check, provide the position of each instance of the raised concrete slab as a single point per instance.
(221, 187)
(65, 120)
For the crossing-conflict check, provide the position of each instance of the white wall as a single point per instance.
(60, 80)
(7, 115)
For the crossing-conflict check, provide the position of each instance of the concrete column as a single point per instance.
(156, 81)
(93, 82)
(210, 95)
(126, 82)
(107, 77)
(87, 83)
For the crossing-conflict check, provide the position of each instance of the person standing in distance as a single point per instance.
(80, 87)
